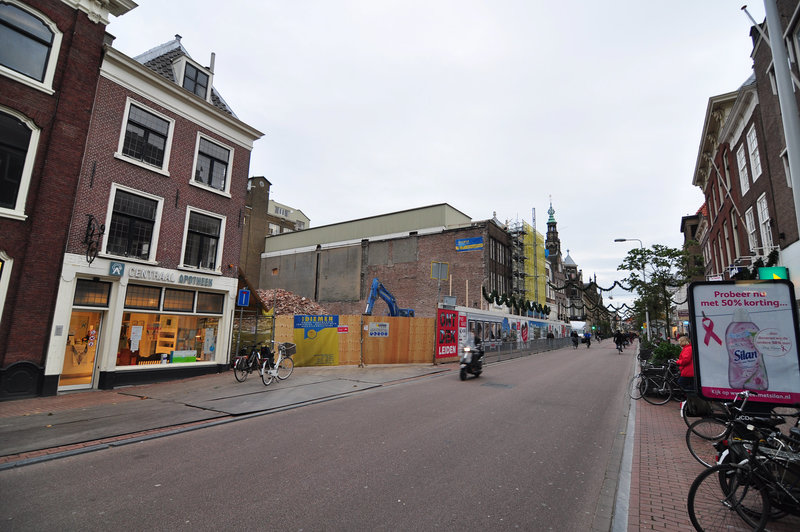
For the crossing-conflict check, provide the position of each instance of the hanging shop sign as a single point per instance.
(745, 337)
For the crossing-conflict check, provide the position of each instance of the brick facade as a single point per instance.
(36, 243)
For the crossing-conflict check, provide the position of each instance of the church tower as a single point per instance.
(552, 243)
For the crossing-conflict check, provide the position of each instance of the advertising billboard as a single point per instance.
(745, 337)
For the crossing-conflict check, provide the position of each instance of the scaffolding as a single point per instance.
(529, 278)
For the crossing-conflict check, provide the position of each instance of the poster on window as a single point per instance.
(745, 337)
(317, 340)
(446, 333)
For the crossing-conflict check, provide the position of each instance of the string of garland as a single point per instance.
(519, 303)
(588, 286)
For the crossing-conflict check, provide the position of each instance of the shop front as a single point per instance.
(120, 323)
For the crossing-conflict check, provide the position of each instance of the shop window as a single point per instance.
(142, 297)
(91, 293)
(212, 165)
(31, 45)
(203, 244)
(166, 339)
(178, 300)
(146, 138)
(18, 140)
(132, 227)
(210, 303)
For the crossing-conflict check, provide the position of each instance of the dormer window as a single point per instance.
(195, 80)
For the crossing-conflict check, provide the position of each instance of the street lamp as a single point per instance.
(644, 280)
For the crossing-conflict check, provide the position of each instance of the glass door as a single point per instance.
(79, 356)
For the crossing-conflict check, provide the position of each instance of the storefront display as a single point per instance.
(160, 338)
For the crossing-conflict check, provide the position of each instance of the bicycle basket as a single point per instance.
(290, 349)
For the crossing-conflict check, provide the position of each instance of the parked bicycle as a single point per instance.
(657, 384)
(281, 368)
(244, 364)
(731, 422)
(757, 482)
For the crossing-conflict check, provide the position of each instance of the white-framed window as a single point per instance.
(764, 223)
(735, 230)
(786, 169)
(146, 137)
(752, 150)
(203, 240)
(727, 241)
(195, 80)
(741, 163)
(19, 138)
(6, 262)
(750, 221)
(213, 164)
(31, 43)
(132, 224)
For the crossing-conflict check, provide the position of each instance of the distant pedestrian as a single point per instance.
(550, 339)
(575, 339)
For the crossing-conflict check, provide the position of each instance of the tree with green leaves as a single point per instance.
(665, 269)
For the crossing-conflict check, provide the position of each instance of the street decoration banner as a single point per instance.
(745, 337)
(317, 340)
(446, 333)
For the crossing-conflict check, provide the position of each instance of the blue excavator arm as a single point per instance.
(378, 290)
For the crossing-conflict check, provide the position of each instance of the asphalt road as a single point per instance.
(525, 446)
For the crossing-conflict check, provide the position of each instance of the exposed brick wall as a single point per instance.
(36, 244)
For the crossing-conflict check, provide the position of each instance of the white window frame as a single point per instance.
(220, 245)
(164, 169)
(765, 226)
(18, 212)
(744, 176)
(753, 152)
(735, 231)
(179, 69)
(750, 222)
(786, 169)
(152, 252)
(727, 241)
(46, 85)
(229, 174)
(5, 277)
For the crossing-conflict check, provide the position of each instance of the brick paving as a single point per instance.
(663, 470)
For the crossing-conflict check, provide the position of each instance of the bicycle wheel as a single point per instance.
(636, 386)
(285, 368)
(658, 391)
(266, 375)
(721, 497)
(701, 437)
(711, 428)
(240, 368)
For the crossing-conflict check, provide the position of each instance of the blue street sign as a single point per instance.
(244, 298)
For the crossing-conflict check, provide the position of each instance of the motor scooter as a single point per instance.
(471, 361)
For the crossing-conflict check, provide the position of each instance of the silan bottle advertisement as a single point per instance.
(745, 338)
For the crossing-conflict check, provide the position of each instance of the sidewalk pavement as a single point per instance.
(653, 486)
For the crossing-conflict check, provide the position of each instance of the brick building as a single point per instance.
(334, 264)
(165, 175)
(743, 169)
(49, 66)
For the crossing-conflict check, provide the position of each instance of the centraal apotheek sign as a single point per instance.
(168, 276)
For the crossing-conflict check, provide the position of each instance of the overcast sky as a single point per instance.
(372, 106)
